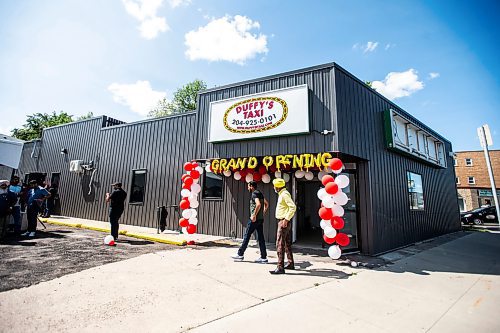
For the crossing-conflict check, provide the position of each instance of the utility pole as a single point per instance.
(486, 140)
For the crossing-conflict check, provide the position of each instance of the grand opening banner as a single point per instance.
(273, 113)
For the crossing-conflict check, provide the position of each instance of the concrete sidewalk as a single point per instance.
(168, 236)
(450, 287)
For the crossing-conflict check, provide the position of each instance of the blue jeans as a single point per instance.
(251, 227)
(16, 215)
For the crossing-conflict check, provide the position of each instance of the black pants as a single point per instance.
(114, 216)
(251, 227)
(32, 214)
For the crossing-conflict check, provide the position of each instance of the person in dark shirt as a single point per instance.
(36, 197)
(116, 202)
(7, 201)
(256, 222)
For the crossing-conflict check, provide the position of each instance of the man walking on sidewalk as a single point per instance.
(116, 206)
(256, 222)
(285, 209)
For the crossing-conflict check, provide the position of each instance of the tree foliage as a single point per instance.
(184, 100)
(89, 115)
(35, 124)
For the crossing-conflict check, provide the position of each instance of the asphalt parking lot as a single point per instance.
(57, 251)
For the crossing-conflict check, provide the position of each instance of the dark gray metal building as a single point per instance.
(402, 186)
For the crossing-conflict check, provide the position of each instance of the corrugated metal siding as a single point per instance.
(5, 172)
(157, 145)
(229, 217)
(361, 133)
(30, 158)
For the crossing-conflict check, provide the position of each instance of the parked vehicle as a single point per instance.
(480, 216)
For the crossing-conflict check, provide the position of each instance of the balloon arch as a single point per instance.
(331, 196)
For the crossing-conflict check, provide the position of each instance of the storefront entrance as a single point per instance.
(307, 231)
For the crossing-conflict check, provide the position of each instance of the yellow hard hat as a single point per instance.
(278, 182)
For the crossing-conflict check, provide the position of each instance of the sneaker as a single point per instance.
(261, 261)
(237, 257)
(31, 234)
(25, 234)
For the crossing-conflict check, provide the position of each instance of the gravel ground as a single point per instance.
(57, 251)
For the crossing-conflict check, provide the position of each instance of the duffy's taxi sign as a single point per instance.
(255, 115)
(272, 113)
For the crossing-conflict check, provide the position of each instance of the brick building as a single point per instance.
(473, 181)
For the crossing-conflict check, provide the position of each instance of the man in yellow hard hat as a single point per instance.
(285, 209)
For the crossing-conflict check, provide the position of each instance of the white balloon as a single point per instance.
(199, 169)
(321, 193)
(227, 173)
(237, 175)
(340, 198)
(338, 210)
(249, 178)
(108, 239)
(342, 181)
(266, 178)
(334, 252)
(194, 213)
(196, 181)
(184, 230)
(330, 232)
(193, 197)
(185, 193)
(187, 213)
(328, 170)
(277, 174)
(337, 171)
(328, 201)
(309, 175)
(193, 220)
(286, 177)
(194, 204)
(207, 168)
(321, 174)
(195, 188)
(299, 174)
(324, 223)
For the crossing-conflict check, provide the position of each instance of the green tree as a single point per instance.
(184, 100)
(89, 115)
(35, 124)
(369, 84)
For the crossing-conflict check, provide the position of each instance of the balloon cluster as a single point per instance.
(257, 174)
(189, 193)
(331, 211)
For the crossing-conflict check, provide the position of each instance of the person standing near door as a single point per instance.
(255, 223)
(16, 210)
(36, 196)
(285, 209)
(116, 202)
(7, 201)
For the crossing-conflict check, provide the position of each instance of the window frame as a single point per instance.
(204, 184)
(457, 180)
(473, 180)
(134, 172)
(408, 179)
(471, 162)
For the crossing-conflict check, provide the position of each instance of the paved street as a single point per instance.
(450, 284)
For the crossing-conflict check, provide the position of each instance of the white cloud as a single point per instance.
(226, 39)
(145, 11)
(433, 75)
(139, 97)
(389, 46)
(177, 3)
(399, 84)
(370, 47)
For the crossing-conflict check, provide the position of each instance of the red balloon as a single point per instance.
(191, 229)
(337, 222)
(185, 186)
(326, 179)
(262, 170)
(335, 164)
(325, 213)
(243, 173)
(195, 174)
(328, 240)
(188, 180)
(194, 164)
(342, 239)
(184, 176)
(188, 166)
(184, 204)
(257, 177)
(331, 188)
(183, 222)
(272, 168)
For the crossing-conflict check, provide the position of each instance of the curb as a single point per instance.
(123, 232)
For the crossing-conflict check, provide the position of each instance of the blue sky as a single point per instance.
(436, 59)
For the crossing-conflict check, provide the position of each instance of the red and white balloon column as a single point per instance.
(331, 211)
(189, 193)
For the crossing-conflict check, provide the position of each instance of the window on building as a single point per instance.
(415, 191)
(138, 188)
(468, 162)
(457, 180)
(212, 186)
(455, 163)
(471, 180)
(461, 204)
